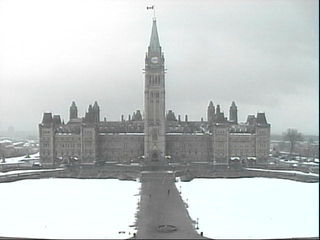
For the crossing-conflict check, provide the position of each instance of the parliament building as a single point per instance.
(155, 134)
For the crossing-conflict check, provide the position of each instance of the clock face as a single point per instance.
(154, 59)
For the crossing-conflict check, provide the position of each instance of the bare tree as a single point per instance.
(293, 136)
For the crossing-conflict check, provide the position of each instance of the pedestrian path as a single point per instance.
(162, 213)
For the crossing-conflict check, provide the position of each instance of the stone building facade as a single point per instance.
(155, 135)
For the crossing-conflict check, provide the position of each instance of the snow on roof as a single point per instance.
(289, 161)
(17, 159)
(30, 171)
(310, 163)
(183, 134)
(242, 133)
(127, 134)
(282, 171)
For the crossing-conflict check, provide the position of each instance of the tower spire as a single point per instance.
(154, 45)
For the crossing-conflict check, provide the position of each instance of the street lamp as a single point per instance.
(197, 224)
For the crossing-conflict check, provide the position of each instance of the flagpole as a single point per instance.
(154, 11)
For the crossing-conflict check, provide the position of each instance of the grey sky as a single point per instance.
(261, 54)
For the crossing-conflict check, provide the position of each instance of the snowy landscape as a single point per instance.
(226, 208)
(250, 208)
(68, 208)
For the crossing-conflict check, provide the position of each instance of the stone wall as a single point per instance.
(189, 148)
(120, 147)
(67, 144)
(242, 145)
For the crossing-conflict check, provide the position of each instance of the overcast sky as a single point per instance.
(261, 54)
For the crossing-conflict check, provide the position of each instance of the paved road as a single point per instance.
(161, 204)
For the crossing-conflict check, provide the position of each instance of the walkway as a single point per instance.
(161, 205)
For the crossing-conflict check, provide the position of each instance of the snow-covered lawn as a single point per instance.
(253, 207)
(68, 208)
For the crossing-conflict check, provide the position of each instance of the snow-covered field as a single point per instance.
(68, 208)
(226, 208)
(253, 207)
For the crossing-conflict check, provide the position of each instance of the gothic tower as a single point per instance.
(73, 111)
(96, 112)
(154, 100)
(211, 113)
(233, 113)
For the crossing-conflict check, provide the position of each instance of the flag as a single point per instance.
(150, 7)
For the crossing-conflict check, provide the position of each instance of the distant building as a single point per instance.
(156, 134)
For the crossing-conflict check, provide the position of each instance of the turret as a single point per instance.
(220, 117)
(262, 138)
(133, 116)
(210, 112)
(218, 109)
(251, 120)
(56, 120)
(96, 112)
(138, 115)
(233, 113)
(73, 112)
(46, 138)
(171, 116)
(261, 119)
(47, 118)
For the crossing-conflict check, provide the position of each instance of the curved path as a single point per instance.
(161, 205)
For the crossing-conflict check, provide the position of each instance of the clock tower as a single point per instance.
(154, 100)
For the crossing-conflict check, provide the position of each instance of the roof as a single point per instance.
(47, 118)
(154, 39)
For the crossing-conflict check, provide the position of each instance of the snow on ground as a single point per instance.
(282, 171)
(249, 208)
(18, 159)
(29, 171)
(68, 208)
